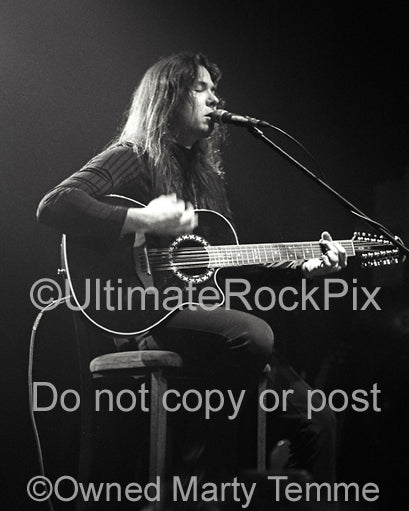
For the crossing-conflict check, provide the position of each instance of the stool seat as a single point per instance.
(131, 360)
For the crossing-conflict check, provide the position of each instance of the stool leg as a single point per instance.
(86, 443)
(261, 427)
(158, 429)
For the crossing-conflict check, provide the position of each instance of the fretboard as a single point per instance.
(262, 253)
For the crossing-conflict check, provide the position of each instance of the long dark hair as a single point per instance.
(148, 127)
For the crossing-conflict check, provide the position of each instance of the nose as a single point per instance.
(212, 99)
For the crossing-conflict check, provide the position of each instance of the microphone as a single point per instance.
(225, 117)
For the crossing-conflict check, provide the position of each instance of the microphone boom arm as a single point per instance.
(257, 133)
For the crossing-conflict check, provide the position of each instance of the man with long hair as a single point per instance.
(167, 156)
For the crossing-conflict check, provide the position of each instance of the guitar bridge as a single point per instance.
(141, 255)
(141, 260)
(145, 253)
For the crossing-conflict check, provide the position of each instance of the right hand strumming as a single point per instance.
(168, 215)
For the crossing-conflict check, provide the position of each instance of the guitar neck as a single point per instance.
(261, 253)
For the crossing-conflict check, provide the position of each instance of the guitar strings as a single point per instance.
(199, 257)
(220, 251)
(258, 248)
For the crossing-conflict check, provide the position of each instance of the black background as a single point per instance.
(334, 75)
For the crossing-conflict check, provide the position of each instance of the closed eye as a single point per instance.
(202, 86)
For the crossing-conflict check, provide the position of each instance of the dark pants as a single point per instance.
(231, 342)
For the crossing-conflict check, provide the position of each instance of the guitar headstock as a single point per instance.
(375, 250)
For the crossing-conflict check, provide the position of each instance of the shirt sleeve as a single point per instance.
(74, 207)
(288, 270)
(286, 265)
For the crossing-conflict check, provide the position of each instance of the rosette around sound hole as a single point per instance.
(190, 259)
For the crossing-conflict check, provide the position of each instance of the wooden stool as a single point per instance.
(157, 367)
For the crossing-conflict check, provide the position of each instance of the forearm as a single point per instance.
(75, 206)
(74, 212)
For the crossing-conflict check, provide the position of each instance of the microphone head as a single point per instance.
(223, 116)
(218, 116)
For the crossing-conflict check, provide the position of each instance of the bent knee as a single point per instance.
(260, 341)
(253, 339)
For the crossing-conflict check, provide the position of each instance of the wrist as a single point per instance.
(312, 268)
(136, 220)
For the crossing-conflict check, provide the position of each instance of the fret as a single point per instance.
(300, 252)
(258, 253)
(238, 256)
(213, 259)
(275, 253)
(265, 254)
(284, 252)
(308, 253)
(223, 257)
(245, 257)
(269, 253)
(217, 258)
(291, 251)
(229, 257)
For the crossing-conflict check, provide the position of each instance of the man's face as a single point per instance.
(192, 121)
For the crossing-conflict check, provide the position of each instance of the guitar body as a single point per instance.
(118, 288)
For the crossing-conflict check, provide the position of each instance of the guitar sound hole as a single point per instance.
(191, 258)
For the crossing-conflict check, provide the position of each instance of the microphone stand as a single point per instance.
(395, 240)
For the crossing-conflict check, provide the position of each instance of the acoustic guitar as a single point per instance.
(129, 287)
